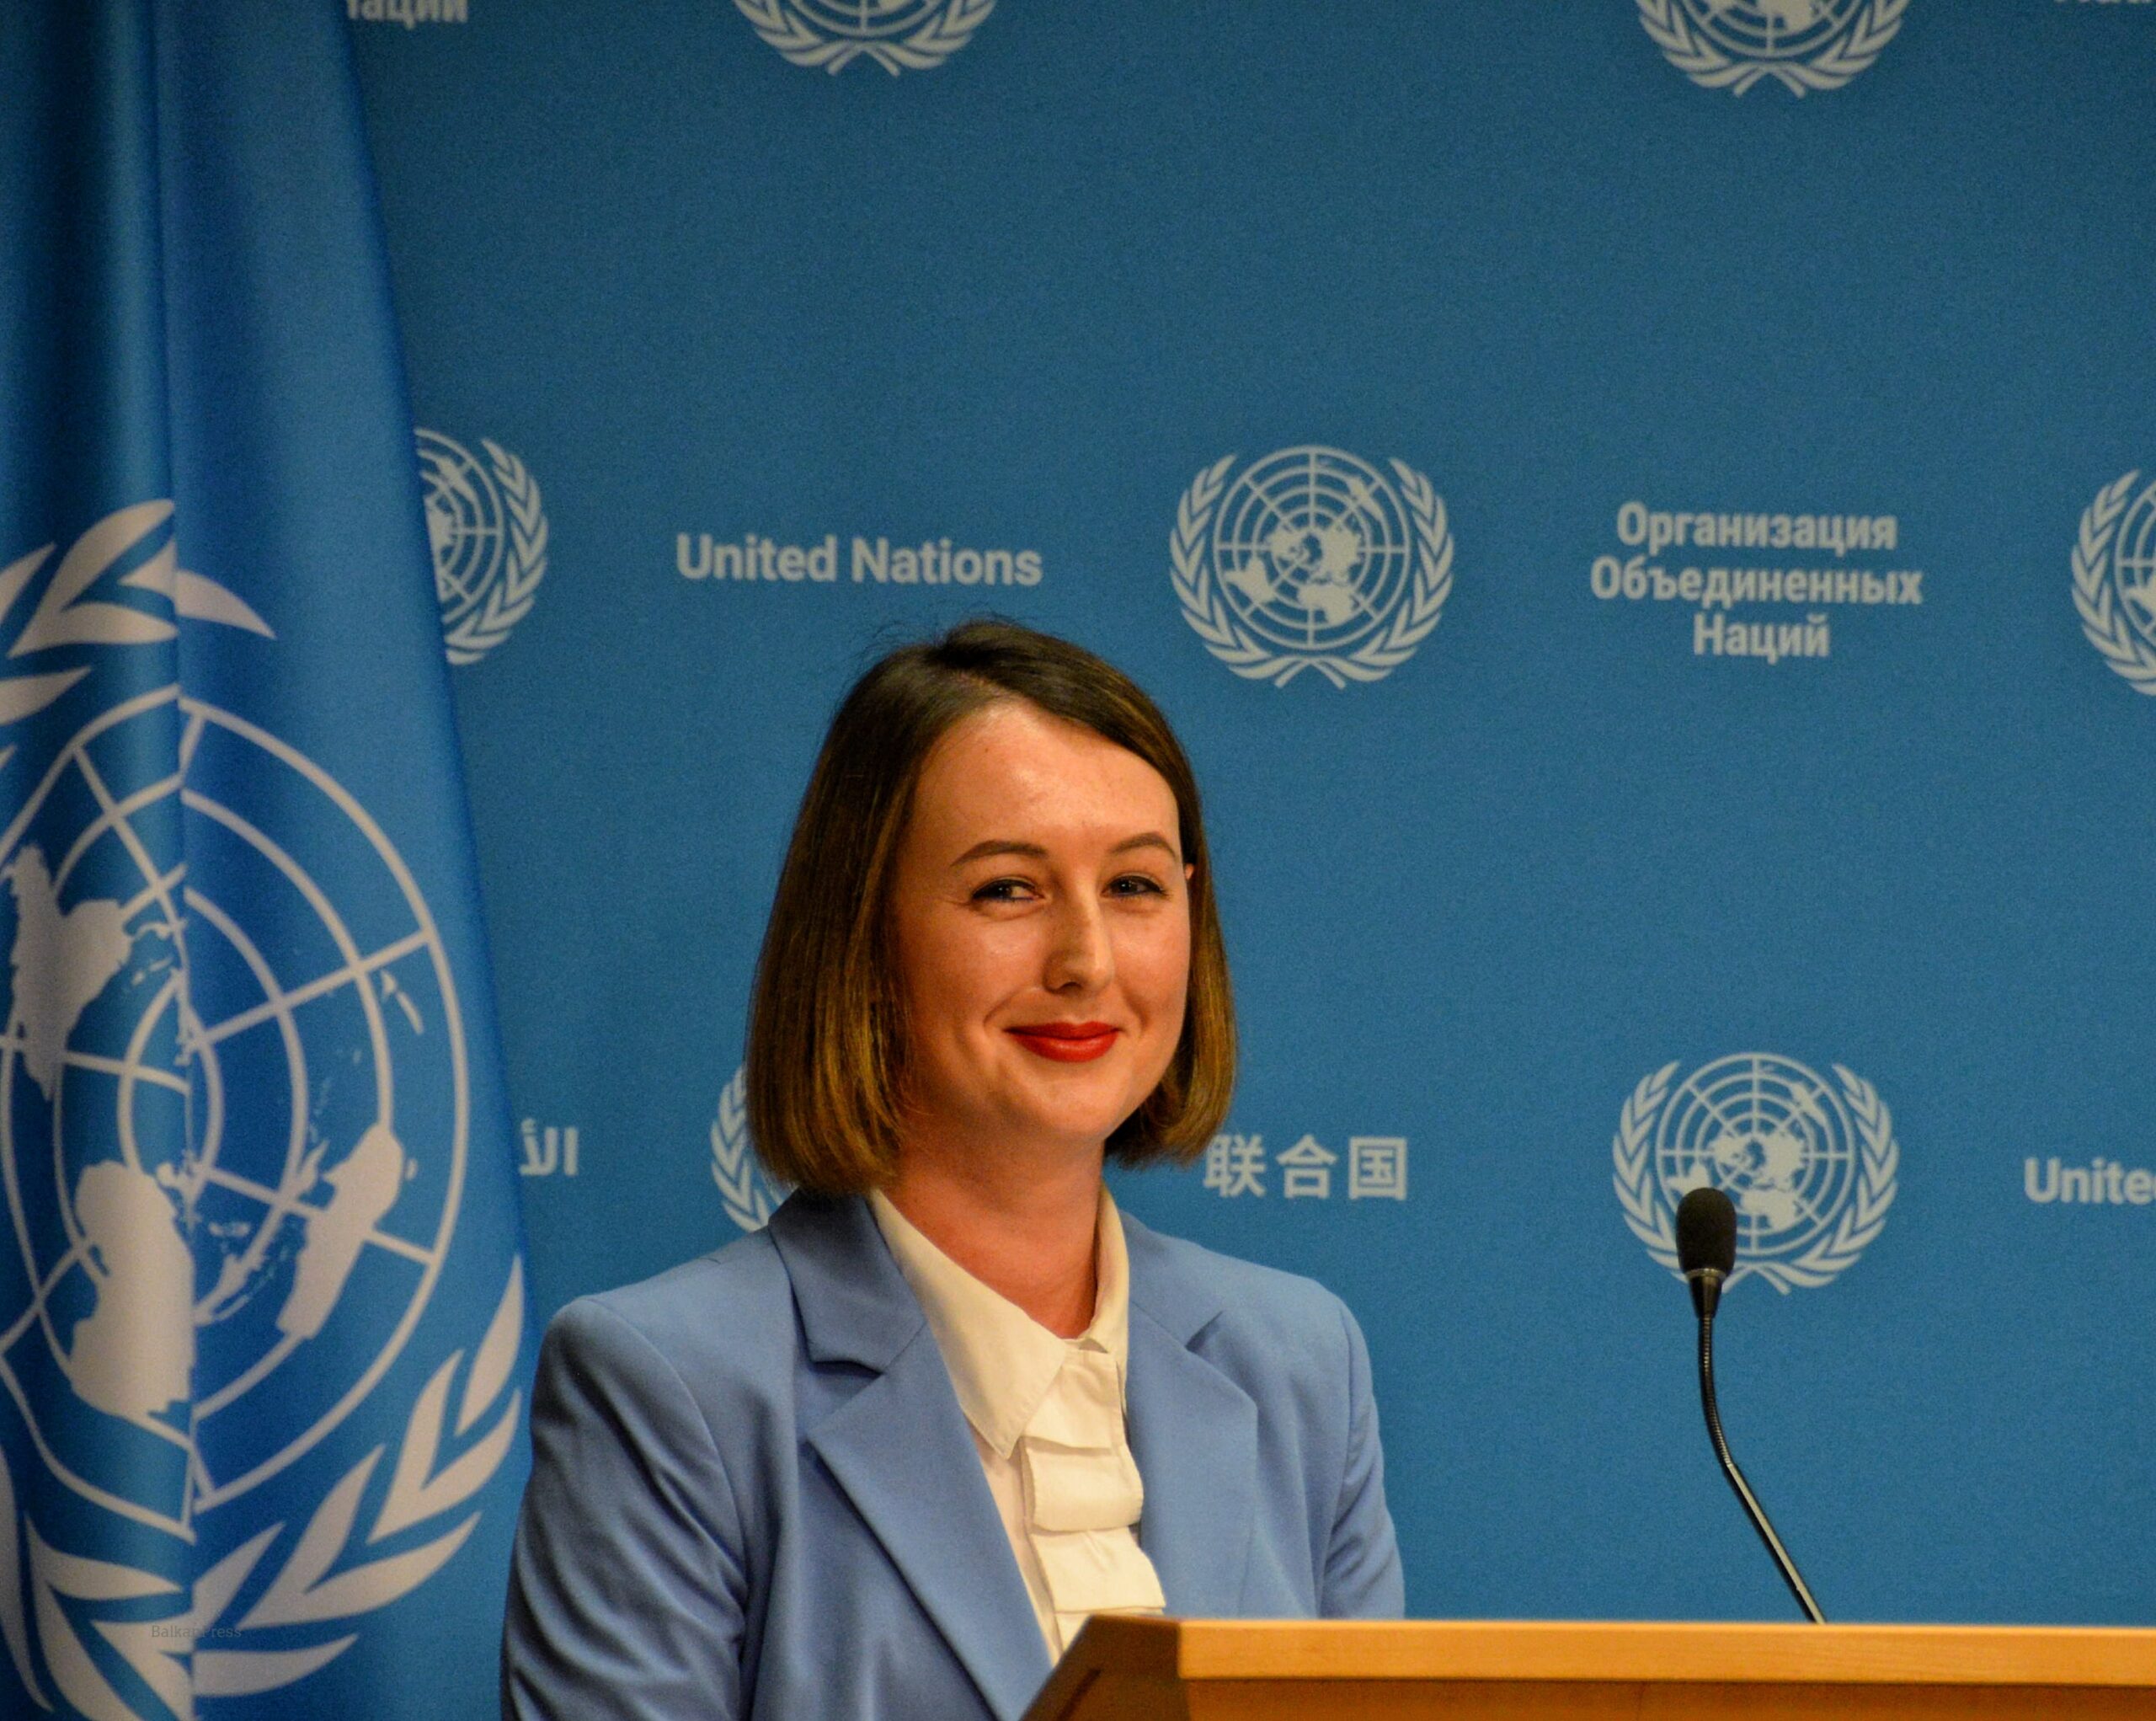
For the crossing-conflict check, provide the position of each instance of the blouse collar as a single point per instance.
(1001, 1361)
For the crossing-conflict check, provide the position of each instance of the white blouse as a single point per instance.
(1047, 1415)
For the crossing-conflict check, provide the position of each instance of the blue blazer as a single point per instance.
(754, 1494)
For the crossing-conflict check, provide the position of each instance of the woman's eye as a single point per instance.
(1136, 884)
(1003, 891)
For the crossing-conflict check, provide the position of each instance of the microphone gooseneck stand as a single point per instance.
(1783, 1563)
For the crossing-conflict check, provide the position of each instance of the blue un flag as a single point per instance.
(262, 1326)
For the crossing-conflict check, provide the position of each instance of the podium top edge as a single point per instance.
(1647, 1652)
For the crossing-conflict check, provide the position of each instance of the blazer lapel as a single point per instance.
(1194, 1434)
(900, 1449)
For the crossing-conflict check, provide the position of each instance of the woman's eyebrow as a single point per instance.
(997, 845)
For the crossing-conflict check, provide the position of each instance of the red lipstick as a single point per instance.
(1067, 1042)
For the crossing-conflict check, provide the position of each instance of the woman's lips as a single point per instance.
(1067, 1042)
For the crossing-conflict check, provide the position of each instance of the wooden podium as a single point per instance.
(1153, 1669)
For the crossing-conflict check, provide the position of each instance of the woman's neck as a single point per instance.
(1027, 1232)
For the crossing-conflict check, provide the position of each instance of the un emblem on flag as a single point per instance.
(1810, 1165)
(1311, 558)
(899, 35)
(234, 1116)
(488, 533)
(2115, 578)
(1802, 45)
(146, 1203)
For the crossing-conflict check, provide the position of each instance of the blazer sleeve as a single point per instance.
(1362, 1578)
(627, 1588)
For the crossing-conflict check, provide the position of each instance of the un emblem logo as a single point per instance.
(234, 1104)
(899, 35)
(489, 536)
(1310, 559)
(2115, 578)
(1801, 43)
(1809, 1164)
(749, 1193)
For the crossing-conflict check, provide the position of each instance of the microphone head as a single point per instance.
(1706, 1231)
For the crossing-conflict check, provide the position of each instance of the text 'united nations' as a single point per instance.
(877, 561)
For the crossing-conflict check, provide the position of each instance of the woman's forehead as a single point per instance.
(1012, 769)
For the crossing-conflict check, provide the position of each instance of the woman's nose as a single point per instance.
(1078, 959)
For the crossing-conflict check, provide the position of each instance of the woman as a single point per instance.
(883, 1458)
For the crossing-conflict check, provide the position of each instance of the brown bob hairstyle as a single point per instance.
(826, 1067)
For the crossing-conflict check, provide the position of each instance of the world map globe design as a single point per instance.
(1313, 549)
(2133, 563)
(1769, 1134)
(466, 529)
(868, 20)
(1767, 30)
(234, 1099)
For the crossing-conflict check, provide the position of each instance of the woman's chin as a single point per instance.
(1065, 1124)
(1037, 1109)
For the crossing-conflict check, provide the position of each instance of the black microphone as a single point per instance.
(1706, 1252)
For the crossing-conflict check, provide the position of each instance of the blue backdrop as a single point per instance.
(1640, 512)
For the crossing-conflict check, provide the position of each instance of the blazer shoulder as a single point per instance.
(1245, 1298)
(730, 1312)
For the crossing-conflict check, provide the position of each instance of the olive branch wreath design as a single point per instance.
(934, 41)
(307, 1587)
(2103, 612)
(1702, 60)
(747, 1192)
(1205, 606)
(1650, 1220)
(508, 601)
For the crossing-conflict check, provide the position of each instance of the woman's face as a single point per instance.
(1041, 913)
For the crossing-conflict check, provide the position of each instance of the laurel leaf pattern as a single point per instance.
(1204, 606)
(54, 1574)
(938, 37)
(508, 600)
(215, 1589)
(66, 616)
(201, 599)
(25, 695)
(16, 575)
(87, 558)
(14, 1627)
(1630, 1148)
(192, 596)
(744, 1189)
(244, 1673)
(286, 1601)
(308, 1589)
(416, 1490)
(2103, 617)
(497, 1353)
(96, 624)
(87, 1579)
(1701, 59)
(156, 1658)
